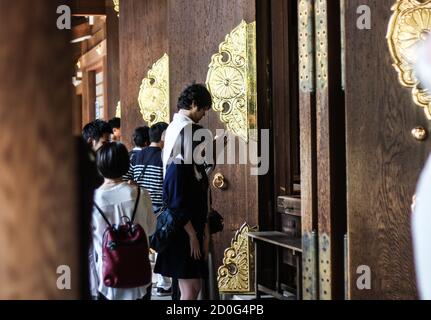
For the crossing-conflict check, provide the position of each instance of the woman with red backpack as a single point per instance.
(122, 221)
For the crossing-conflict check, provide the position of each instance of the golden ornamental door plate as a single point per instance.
(409, 26)
(117, 6)
(118, 110)
(236, 275)
(154, 94)
(231, 80)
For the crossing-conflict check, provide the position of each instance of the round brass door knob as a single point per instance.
(219, 181)
(419, 133)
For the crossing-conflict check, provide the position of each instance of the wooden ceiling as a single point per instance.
(89, 7)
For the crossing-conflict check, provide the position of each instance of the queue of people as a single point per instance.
(159, 174)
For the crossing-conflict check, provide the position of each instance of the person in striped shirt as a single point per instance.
(141, 140)
(147, 171)
(147, 168)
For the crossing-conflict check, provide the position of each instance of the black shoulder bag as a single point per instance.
(167, 227)
(215, 219)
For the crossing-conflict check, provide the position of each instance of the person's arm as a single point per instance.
(195, 251)
(144, 214)
(151, 217)
(176, 187)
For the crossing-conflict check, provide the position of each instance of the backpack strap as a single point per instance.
(103, 215)
(142, 175)
(136, 204)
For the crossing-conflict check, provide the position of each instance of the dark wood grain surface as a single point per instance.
(383, 160)
(38, 220)
(113, 58)
(143, 41)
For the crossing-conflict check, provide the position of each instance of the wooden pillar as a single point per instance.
(330, 149)
(143, 41)
(77, 113)
(106, 107)
(282, 90)
(113, 59)
(307, 116)
(88, 97)
(38, 220)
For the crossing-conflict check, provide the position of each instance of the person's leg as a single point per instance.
(176, 294)
(190, 288)
(149, 293)
(101, 297)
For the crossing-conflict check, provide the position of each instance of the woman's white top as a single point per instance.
(117, 202)
(421, 227)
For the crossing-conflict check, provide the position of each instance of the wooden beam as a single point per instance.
(81, 31)
(93, 59)
(88, 7)
(39, 229)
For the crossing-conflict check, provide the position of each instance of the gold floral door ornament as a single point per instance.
(118, 110)
(117, 6)
(231, 80)
(410, 24)
(236, 275)
(154, 94)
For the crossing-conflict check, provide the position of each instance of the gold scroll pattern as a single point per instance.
(231, 80)
(154, 94)
(236, 275)
(118, 110)
(306, 46)
(408, 27)
(117, 6)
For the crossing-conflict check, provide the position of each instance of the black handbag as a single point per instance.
(168, 225)
(215, 219)
(215, 222)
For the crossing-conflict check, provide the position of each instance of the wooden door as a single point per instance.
(196, 29)
(383, 159)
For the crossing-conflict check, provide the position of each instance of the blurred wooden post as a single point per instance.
(38, 218)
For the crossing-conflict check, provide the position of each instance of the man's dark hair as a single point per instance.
(95, 130)
(156, 131)
(115, 123)
(113, 160)
(141, 137)
(196, 93)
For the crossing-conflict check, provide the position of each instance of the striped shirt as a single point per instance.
(146, 169)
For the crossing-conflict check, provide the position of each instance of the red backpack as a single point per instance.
(125, 253)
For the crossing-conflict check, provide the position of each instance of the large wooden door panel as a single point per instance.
(383, 160)
(196, 30)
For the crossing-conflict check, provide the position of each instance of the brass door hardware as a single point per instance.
(407, 30)
(154, 93)
(219, 181)
(420, 133)
(232, 80)
(236, 275)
